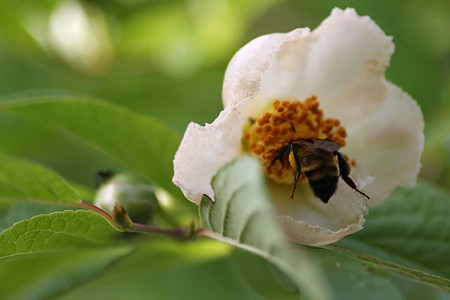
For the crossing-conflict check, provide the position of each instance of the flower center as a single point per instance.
(284, 122)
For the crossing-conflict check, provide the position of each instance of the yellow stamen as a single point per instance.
(284, 122)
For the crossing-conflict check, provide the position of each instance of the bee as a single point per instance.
(315, 159)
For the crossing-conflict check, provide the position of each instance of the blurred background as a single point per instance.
(166, 58)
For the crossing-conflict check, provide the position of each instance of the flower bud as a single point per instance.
(132, 193)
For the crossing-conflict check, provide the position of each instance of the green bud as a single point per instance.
(130, 191)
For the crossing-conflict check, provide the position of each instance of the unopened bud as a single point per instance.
(132, 193)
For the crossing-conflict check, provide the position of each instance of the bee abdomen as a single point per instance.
(323, 180)
(325, 187)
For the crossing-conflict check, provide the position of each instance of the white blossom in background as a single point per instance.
(75, 32)
(325, 83)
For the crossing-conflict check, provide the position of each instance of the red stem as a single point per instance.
(180, 232)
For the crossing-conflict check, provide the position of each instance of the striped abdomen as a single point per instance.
(322, 174)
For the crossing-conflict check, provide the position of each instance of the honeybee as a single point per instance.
(315, 158)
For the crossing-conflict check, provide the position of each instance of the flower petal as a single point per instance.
(203, 151)
(303, 233)
(307, 220)
(388, 144)
(345, 52)
(347, 48)
(243, 74)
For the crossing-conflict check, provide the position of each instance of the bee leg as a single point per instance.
(297, 175)
(351, 184)
(292, 127)
(279, 155)
(295, 164)
(344, 170)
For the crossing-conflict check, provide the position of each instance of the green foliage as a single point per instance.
(55, 231)
(149, 149)
(17, 211)
(39, 276)
(169, 270)
(165, 59)
(408, 235)
(25, 181)
(351, 279)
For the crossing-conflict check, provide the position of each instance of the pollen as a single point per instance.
(286, 121)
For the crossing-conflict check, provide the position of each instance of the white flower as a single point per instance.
(340, 65)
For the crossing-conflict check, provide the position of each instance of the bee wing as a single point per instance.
(317, 147)
(326, 144)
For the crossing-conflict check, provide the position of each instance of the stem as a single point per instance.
(96, 209)
(180, 232)
(203, 232)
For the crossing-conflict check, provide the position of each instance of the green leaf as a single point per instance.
(409, 235)
(18, 211)
(26, 181)
(350, 279)
(166, 269)
(242, 216)
(396, 268)
(56, 231)
(138, 141)
(39, 276)
(263, 277)
(418, 290)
